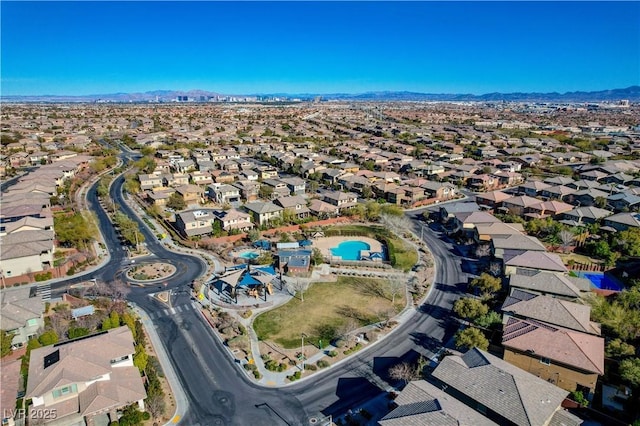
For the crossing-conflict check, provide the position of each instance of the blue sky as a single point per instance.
(77, 48)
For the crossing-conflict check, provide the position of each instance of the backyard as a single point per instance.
(331, 310)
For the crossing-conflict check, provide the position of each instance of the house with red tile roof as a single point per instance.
(567, 358)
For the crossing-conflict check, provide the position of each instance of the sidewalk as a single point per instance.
(182, 405)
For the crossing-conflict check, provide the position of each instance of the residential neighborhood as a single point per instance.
(538, 203)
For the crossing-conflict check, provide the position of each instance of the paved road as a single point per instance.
(218, 393)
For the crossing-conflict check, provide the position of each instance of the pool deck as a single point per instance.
(327, 243)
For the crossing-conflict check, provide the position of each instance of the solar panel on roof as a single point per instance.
(52, 358)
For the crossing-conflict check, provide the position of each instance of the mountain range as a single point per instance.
(631, 93)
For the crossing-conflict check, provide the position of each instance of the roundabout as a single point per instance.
(150, 272)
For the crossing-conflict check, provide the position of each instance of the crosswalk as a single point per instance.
(173, 310)
(44, 291)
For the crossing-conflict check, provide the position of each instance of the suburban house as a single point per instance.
(233, 220)
(487, 232)
(151, 181)
(191, 223)
(249, 189)
(263, 212)
(322, 209)
(294, 205)
(531, 260)
(563, 313)
(567, 358)
(448, 211)
(585, 215)
(343, 200)
(553, 284)
(87, 379)
(26, 251)
(439, 190)
(558, 192)
(27, 224)
(502, 392)
(422, 403)
(223, 193)
(622, 221)
(467, 221)
(296, 185)
(518, 205)
(191, 193)
(277, 187)
(492, 200)
(159, 197)
(22, 314)
(514, 244)
(533, 188)
(549, 208)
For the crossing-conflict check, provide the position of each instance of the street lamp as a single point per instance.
(302, 351)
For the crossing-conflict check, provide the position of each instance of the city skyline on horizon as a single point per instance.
(244, 48)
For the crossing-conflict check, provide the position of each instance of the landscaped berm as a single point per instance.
(151, 271)
(331, 310)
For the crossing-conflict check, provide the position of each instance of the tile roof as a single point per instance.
(538, 260)
(514, 394)
(421, 403)
(551, 283)
(563, 313)
(579, 350)
(79, 361)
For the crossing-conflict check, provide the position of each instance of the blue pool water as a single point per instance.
(602, 281)
(249, 255)
(350, 250)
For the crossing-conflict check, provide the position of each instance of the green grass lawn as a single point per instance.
(402, 255)
(328, 309)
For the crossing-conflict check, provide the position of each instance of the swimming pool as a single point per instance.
(602, 281)
(249, 255)
(350, 250)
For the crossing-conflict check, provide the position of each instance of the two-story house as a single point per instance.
(294, 205)
(22, 314)
(233, 219)
(249, 190)
(342, 200)
(263, 213)
(223, 194)
(296, 185)
(85, 379)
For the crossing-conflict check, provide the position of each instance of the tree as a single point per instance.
(5, 342)
(216, 228)
(316, 256)
(567, 238)
(372, 210)
(140, 358)
(395, 287)
(265, 192)
(629, 242)
(469, 308)
(618, 349)
(297, 286)
(491, 319)
(403, 372)
(155, 405)
(47, 338)
(471, 338)
(487, 284)
(176, 202)
(254, 235)
(630, 371)
(115, 319)
(76, 332)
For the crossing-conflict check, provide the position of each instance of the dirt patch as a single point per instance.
(169, 399)
(151, 271)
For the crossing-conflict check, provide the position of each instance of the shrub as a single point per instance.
(340, 343)
(250, 367)
(242, 330)
(257, 375)
(311, 367)
(146, 415)
(323, 364)
(332, 354)
(246, 314)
